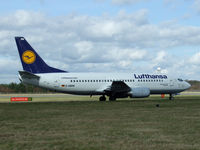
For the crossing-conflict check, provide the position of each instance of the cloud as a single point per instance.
(161, 56)
(168, 2)
(195, 59)
(124, 42)
(126, 2)
(7, 69)
(196, 6)
(171, 3)
(129, 54)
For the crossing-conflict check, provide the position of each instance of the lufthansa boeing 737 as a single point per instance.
(114, 85)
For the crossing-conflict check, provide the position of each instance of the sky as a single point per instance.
(135, 36)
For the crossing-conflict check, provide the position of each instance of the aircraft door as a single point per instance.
(56, 83)
(171, 83)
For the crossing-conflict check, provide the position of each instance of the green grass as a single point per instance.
(92, 125)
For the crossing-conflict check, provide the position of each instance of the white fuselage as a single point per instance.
(96, 83)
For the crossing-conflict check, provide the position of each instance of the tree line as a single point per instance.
(21, 88)
(195, 85)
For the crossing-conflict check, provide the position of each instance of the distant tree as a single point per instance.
(5, 89)
(195, 85)
(21, 88)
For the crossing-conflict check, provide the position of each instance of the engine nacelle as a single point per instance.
(139, 92)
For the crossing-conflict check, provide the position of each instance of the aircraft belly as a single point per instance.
(165, 91)
(83, 92)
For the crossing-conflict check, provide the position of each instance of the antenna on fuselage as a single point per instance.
(158, 70)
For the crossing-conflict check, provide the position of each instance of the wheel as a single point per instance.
(171, 97)
(102, 98)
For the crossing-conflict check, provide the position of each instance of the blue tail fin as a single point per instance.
(31, 61)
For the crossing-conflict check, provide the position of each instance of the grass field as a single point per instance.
(92, 125)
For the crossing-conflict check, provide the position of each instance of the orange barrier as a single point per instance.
(20, 99)
(162, 95)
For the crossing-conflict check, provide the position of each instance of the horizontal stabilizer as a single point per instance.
(25, 74)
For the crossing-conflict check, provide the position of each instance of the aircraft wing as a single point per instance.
(117, 87)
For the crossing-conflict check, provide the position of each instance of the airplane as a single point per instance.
(114, 85)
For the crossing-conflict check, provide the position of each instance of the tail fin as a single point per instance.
(31, 61)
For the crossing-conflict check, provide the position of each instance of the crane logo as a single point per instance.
(28, 57)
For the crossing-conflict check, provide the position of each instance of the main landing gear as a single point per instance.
(171, 97)
(112, 98)
(102, 98)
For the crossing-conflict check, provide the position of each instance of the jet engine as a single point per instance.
(139, 92)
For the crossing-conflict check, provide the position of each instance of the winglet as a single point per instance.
(30, 60)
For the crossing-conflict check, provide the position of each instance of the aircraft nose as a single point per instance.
(187, 85)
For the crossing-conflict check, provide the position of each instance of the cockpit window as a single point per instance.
(181, 80)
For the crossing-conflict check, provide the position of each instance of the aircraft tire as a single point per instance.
(112, 98)
(171, 97)
(102, 98)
